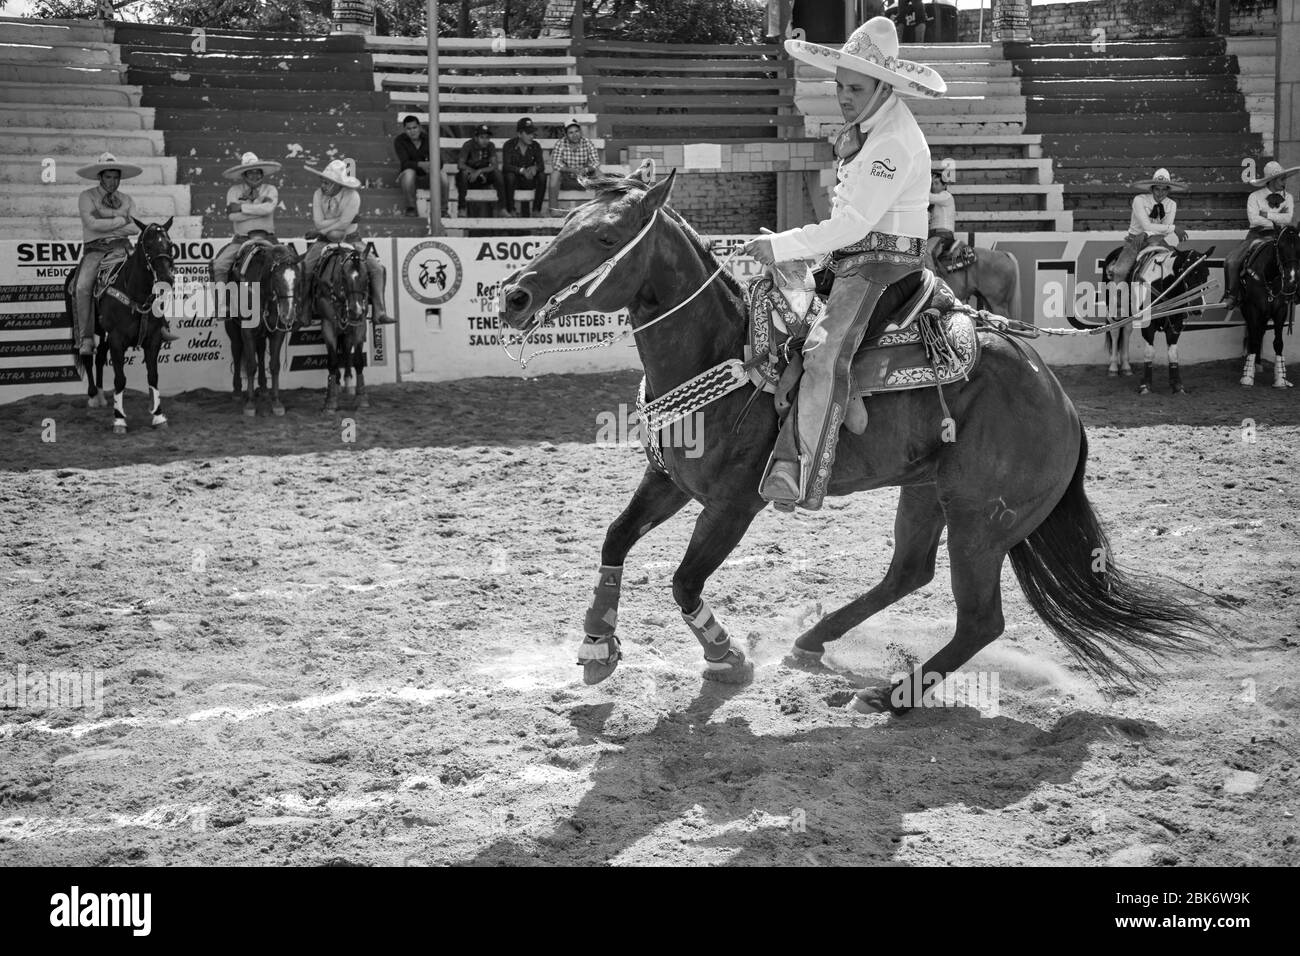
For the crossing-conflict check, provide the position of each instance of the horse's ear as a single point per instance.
(657, 195)
(645, 172)
(168, 224)
(138, 224)
(1209, 252)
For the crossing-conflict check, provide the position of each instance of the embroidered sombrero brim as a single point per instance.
(907, 77)
(1174, 185)
(350, 182)
(267, 167)
(1266, 179)
(128, 170)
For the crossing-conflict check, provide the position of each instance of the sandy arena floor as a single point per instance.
(316, 651)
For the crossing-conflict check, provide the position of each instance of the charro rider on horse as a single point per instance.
(1268, 209)
(943, 220)
(250, 206)
(1152, 221)
(875, 238)
(334, 208)
(107, 219)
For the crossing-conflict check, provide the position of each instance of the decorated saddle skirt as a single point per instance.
(958, 257)
(931, 342)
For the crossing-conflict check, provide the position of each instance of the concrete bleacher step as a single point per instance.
(291, 125)
(991, 146)
(68, 228)
(1151, 86)
(508, 120)
(27, 169)
(503, 223)
(1123, 171)
(54, 32)
(1032, 171)
(83, 95)
(1012, 196)
(316, 84)
(272, 101)
(1054, 220)
(46, 142)
(1158, 147)
(30, 115)
(1119, 50)
(54, 73)
(372, 227)
(527, 103)
(209, 199)
(452, 45)
(1139, 123)
(77, 53)
(1130, 69)
(415, 92)
(153, 202)
(319, 62)
(454, 143)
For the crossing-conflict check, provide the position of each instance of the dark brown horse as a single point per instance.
(127, 316)
(340, 297)
(275, 271)
(1012, 483)
(1270, 287)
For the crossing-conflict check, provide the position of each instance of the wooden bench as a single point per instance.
(481, 195)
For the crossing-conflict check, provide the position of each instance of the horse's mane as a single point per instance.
(607, 184)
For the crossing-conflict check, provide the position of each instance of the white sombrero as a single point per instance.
(1273, 170)
(337, 172)
(250, 161)
(106, 162)
(873, 51)
(1160, 177)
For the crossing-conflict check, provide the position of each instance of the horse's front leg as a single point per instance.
(331, 363)
(235, 335)
(717, 531)
(151, 350)
(655, 501)
(359, 363)
(276, 343)
(1125, 368)
(248, 337)
(118, 350)
(1279, 364)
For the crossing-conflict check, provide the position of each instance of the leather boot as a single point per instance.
(781, 487)
(379, 314)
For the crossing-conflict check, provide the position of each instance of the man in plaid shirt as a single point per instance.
(572, 157)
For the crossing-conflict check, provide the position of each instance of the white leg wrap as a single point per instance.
(1149, 352)
(1173, 355)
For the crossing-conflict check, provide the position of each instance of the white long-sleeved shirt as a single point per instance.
(884, 188)
(1141, 220)
(943, 211)
(1262, 216)
(259, 213)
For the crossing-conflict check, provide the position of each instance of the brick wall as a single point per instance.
(1074, 22)
(719, 203)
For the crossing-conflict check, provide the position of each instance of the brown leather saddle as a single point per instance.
(958, 257)
(931, 341)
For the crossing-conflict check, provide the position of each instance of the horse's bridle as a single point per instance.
(592, 281)
(345, 296)
(1281, 291)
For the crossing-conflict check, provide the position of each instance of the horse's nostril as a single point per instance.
(518, 300)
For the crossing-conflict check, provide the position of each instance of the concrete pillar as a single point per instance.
(353, 16)
(1287, 101)
(1011, 21)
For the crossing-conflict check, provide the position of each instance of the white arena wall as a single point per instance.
(443, 293)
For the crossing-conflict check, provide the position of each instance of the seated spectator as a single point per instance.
(524, 168)
(413, 153)
(573, 156)
(477, 165)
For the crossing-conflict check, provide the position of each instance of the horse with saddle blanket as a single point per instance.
(948, 404)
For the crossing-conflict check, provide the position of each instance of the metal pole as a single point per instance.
(435, 128)
(981, 34)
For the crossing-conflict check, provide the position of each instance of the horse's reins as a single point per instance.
(593, 280)
(1118, 323)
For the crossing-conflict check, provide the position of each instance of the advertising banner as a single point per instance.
(447, 307)
(36, 335)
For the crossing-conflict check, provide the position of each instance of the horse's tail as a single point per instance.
(1102, 613)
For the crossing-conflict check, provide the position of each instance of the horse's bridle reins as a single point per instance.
(593, 281)
(126, 300)
(1281, 292)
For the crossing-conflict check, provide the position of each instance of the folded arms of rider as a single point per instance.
(98, 218)
(1142, 206)
(339, 224)
(1261, 216)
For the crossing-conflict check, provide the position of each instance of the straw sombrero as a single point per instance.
(337, 172)
(105, 162)
(1160, 177)
(1273, 170)
(250, 161)
(873, 51)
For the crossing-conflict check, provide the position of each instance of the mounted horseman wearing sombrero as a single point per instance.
(107, 219)
(250, 206)
(1268, 209)
(1151, 222)
(874, 238)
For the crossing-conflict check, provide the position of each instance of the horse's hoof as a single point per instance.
(238, 395)
(803, 654)
(277, 409)
(1144, 390)
(872, 700)
(119, 428)
(732, 669)
(250, 411)
(1113, 372)
(97, 401)
(593, 672)
(1126, 371)
(363, 402)
(1247, 382)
